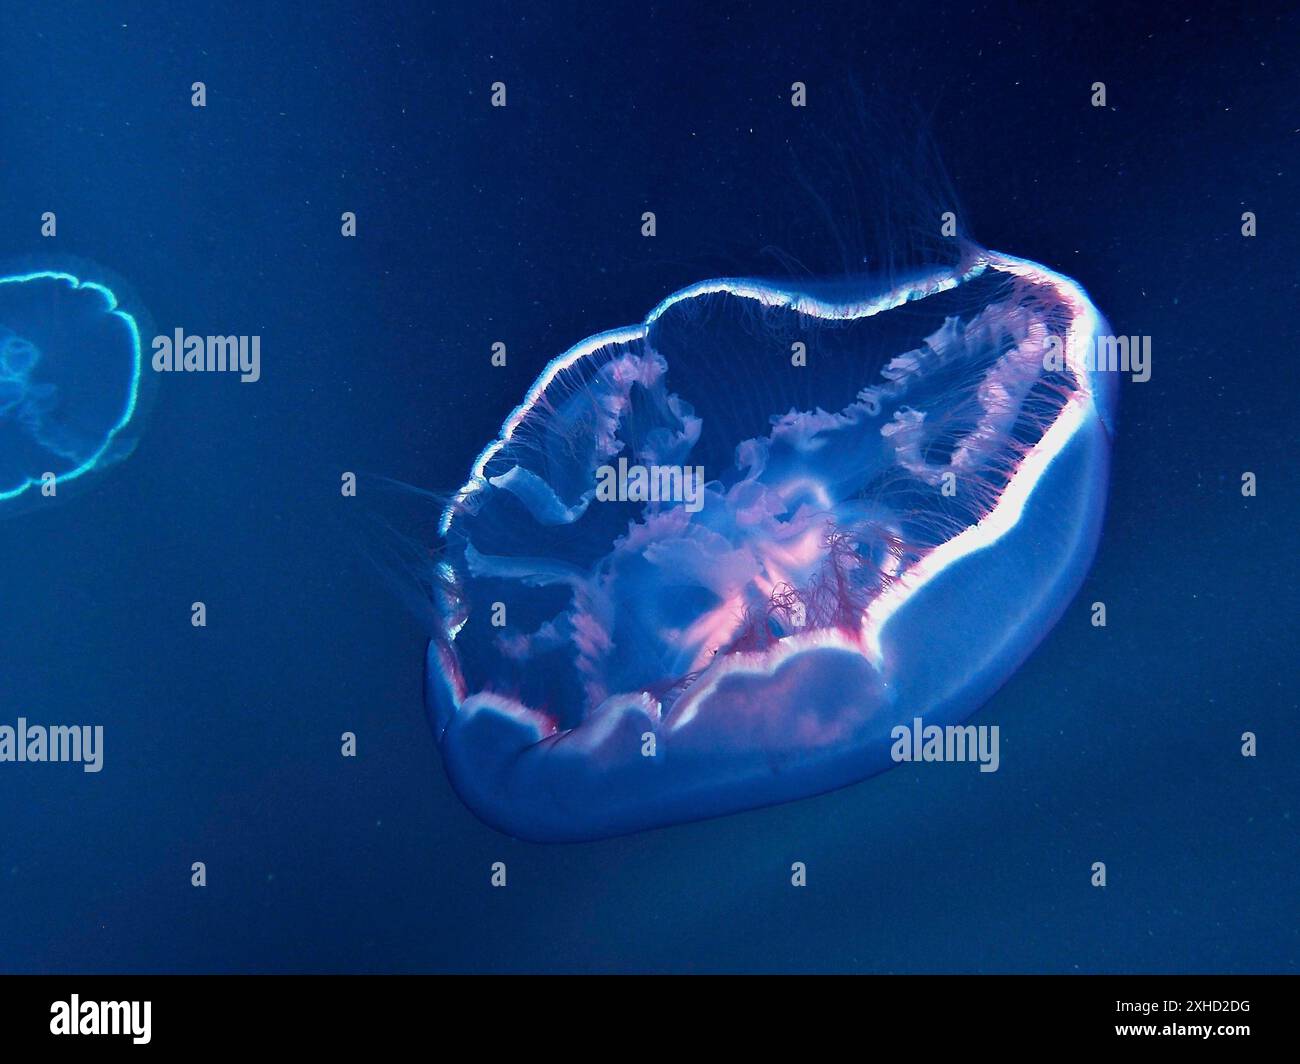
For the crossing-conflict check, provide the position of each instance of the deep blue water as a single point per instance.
(1119, 745)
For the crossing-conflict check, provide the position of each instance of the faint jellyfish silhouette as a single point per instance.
(70, 383)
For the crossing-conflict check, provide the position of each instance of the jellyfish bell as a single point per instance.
(74, 389)
(891, 523)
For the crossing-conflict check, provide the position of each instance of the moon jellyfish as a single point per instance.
(70, 381)
(712, 560)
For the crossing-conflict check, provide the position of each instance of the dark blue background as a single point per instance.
(222, 744)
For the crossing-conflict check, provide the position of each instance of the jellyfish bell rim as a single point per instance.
(121, 302)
